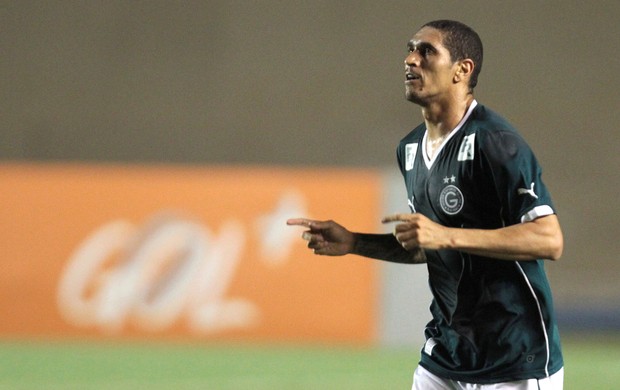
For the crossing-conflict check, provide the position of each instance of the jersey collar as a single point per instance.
(429, 161)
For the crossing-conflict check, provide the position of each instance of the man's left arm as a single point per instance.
(540, 238)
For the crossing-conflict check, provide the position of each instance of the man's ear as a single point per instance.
(464, 70)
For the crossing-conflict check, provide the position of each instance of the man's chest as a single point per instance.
(452, 190)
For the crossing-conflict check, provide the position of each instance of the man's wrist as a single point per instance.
(355, 246)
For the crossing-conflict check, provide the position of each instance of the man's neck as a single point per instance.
(442, 117)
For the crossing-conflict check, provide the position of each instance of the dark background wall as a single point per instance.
(317, 83)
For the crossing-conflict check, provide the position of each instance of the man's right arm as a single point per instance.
(385, 247)
(329, 238)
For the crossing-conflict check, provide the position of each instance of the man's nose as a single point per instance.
(412, 59)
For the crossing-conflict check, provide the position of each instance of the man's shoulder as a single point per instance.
(496, 137)
(484, 120)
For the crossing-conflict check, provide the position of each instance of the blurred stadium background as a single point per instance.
(150, 152)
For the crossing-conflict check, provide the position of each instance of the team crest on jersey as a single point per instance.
(466, 151)
(451, 200)
(410, 153)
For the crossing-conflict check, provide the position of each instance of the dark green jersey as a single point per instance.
(493, 319)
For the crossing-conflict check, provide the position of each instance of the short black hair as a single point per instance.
(462, 42)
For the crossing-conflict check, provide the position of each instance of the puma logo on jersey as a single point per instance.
(530, 191)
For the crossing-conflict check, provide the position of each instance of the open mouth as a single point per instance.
(411, 76)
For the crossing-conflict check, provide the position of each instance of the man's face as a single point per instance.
(429, 71)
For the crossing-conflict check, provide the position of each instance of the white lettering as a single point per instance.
(169, 269)
(87, 270)
(276, 238)
(209, 309)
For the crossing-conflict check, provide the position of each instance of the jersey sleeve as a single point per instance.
(517, 177)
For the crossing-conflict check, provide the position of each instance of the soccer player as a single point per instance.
(482, 220)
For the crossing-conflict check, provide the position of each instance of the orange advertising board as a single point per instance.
(182, 252)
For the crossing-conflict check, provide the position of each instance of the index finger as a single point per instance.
(299, 222)
(396, 218)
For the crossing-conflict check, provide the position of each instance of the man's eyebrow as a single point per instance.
(417, 45)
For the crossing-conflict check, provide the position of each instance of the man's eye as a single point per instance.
(424, 51)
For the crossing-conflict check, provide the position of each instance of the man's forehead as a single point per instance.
(427, 35)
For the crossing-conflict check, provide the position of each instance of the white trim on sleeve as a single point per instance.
(537, 212)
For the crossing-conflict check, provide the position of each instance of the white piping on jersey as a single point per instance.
(542, 320)
(429, 161)
(537, 212)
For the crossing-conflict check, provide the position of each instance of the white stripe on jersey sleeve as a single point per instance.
(537, 212)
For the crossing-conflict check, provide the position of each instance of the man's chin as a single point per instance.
(414, 98)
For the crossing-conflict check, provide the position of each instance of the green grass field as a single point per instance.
(591, 363)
